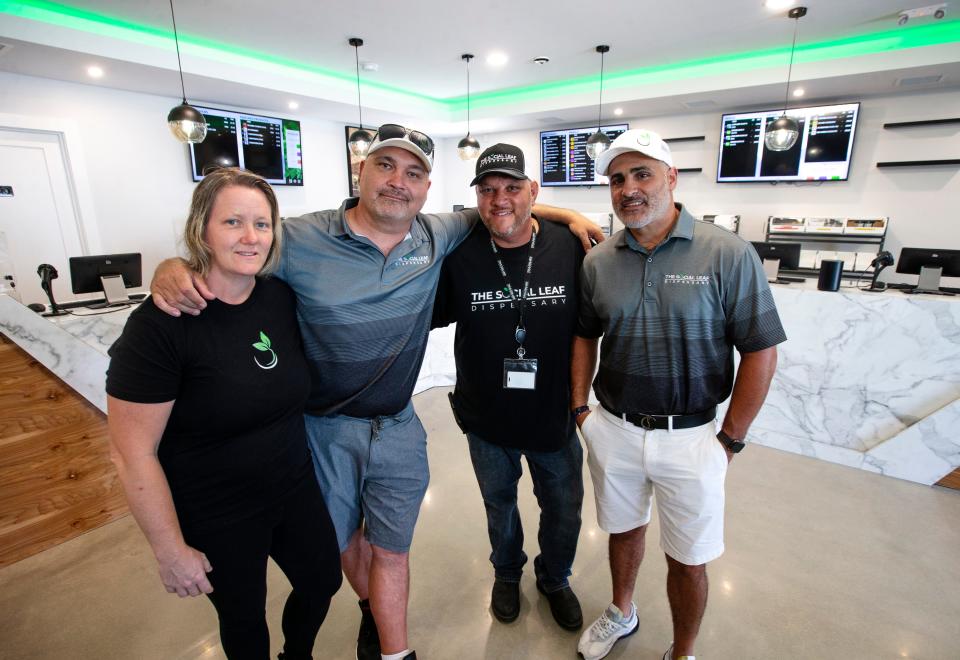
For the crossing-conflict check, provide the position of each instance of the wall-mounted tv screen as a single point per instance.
(563, 156)
(822, 151)
(267, 146)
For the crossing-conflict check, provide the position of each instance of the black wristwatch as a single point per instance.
(579, 410)
(732, 446)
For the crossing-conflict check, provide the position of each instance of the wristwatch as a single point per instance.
(733, 446)
(579, 410)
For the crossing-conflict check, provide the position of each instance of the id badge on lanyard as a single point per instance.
(519, 373)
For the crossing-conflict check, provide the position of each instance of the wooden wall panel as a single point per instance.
(56, 478)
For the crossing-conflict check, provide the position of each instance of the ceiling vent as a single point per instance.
(918, 80)
(698, 105)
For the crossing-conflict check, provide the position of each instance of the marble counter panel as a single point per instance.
(79, 364)
(867, 380)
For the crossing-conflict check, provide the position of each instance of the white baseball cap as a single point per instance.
(640, 140)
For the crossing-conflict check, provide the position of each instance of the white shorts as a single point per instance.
(685, 468)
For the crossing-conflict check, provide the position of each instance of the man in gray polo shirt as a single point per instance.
(365, 277)
(672, 297)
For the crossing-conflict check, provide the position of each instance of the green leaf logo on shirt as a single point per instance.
(264, 346)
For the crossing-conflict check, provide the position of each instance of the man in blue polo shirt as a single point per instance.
(365, 277)
(672, 297)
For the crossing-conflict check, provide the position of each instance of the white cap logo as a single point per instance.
(643, 139)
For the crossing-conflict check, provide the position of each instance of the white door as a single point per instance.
(39, 221)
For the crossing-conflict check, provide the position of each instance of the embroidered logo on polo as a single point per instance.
(264, 346)
(418, 260)
(683, 278)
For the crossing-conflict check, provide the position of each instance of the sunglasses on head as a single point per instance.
(421, 141)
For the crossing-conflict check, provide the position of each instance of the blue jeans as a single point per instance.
(558, 485)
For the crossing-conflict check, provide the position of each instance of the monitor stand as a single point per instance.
(114, 292)
(771, 268)
(930, 281)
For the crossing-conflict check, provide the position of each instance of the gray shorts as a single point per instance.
(373, 472)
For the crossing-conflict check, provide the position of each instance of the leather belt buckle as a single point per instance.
(648, 422)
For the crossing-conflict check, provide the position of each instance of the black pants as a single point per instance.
(299, 535)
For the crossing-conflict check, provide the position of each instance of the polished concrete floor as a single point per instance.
(822, 562)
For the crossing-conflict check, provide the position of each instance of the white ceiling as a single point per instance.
(417, 46)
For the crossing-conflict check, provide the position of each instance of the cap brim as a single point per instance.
(603, 162)
(513, 174)
(405, 144)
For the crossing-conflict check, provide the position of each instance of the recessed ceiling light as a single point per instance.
(497, 58)
(542, 59)
(94, 72)
(618, 111)
(293, 105)
(777, 4)
(369, 66)
(798, 91)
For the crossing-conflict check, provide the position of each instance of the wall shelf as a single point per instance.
(689, 169)
(692, 138)
(918, 163)
(874, 241)
(925, 122)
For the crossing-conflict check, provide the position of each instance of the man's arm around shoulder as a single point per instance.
(175, 288)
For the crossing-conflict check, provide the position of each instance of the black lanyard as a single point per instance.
(520, 334)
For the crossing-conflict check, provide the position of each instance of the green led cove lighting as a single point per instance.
(942, 32)
(82, 20)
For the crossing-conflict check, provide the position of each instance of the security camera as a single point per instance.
(937, 11)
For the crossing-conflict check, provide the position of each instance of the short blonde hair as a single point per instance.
(204, 196)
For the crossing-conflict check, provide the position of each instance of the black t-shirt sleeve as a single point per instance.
(443, 304)
(146, 362)
(589, 325)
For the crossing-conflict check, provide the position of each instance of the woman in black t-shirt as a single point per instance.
(207, 432)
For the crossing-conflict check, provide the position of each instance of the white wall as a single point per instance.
(922, 203)
(139, 174)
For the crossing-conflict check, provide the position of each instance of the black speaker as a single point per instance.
(831, 271)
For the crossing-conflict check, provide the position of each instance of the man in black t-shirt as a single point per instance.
(511, 287)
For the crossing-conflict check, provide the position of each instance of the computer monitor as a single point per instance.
(107, 273)
(930, 265)
(776, 256)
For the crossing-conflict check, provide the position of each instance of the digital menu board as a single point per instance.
(267, 146)
(822, 151)
(563, 156)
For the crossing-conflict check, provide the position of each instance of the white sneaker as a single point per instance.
(597, 640)
(669, 655)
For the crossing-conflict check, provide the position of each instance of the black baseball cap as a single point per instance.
(503, 159)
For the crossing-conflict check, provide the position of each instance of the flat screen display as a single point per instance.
(563, 156)
(267, 146)
(822, 151)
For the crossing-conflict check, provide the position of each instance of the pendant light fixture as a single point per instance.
(599, 142)
(185, 122)
(361, 139)
(468, 148)
(782, 134)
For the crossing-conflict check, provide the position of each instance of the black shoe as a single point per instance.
(410, 656)
(368, 640)
(564, 606)
(505, 601)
